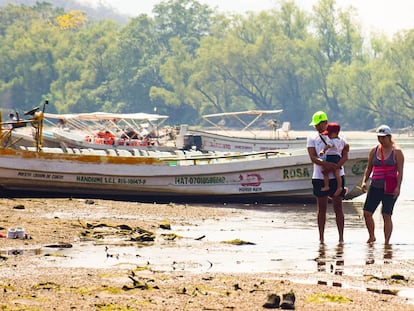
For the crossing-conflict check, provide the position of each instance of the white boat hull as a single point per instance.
(208, 141)
(261, 177)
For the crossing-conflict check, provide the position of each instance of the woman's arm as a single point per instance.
(368, 170)
(399, 158)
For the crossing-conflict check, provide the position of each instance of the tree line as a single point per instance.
(188, 60)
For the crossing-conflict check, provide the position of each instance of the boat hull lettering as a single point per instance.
(186, 180)
(250, 189)
(89, 179)
(111, 180)
(359, 167)
(299, 172)
(39, 175)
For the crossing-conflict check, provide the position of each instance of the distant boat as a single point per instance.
(101, 130)
(243, 140)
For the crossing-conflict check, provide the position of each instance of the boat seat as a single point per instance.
(124, 153)
(180, 154)
(52, 150)
(112, 152)
(97, 152)
(153, 153)
(85, 151)
(136, 153)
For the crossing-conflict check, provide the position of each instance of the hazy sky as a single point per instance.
(386, 16)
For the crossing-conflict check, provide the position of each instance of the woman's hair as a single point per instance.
(390, 138)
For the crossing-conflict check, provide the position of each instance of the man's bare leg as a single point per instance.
(321, 215)
(339, 216)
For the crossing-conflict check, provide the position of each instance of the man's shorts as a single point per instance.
(318, 184)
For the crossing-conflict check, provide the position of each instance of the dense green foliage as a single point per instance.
(188, 60)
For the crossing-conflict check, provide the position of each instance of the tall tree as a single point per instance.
(26, 55)
(84, 68)
(339, 41)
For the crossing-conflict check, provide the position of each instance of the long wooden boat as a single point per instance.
(254, 177)
(269, 176)
(243, 140)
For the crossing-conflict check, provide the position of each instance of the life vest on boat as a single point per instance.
(99, 140)
(109, 138)
(134, 142)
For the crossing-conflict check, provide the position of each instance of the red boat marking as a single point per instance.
(251, 180)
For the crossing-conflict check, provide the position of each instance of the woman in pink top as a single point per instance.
(385, 167)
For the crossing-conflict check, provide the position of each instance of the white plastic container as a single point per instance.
(20, 234)
(12, 234)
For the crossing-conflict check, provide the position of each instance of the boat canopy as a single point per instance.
(101, 116)
(237, 115)
(97, 121)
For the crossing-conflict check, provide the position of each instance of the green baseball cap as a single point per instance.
(318, 117)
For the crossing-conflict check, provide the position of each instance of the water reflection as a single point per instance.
(370, 260)
(336, 264)
(339, 259)
(388, 254)
(321, 259)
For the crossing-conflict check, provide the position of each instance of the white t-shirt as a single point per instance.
(337, 145)
(315, 141)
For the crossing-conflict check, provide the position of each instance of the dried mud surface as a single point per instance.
(27, 284)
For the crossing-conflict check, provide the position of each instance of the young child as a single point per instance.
(333, 152)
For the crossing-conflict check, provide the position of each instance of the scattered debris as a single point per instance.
(170, 236)
(237, 287)
(238, 242)
(138, 284)
(321, 298)
(399, 277)
(383, 291)
(60, 245)
(165, 225)
(47, 285)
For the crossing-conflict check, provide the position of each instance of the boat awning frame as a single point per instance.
(236, 115)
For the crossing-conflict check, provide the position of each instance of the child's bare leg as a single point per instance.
(326, 182)
(339, 183)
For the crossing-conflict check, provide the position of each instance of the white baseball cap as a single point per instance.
(383, 130)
